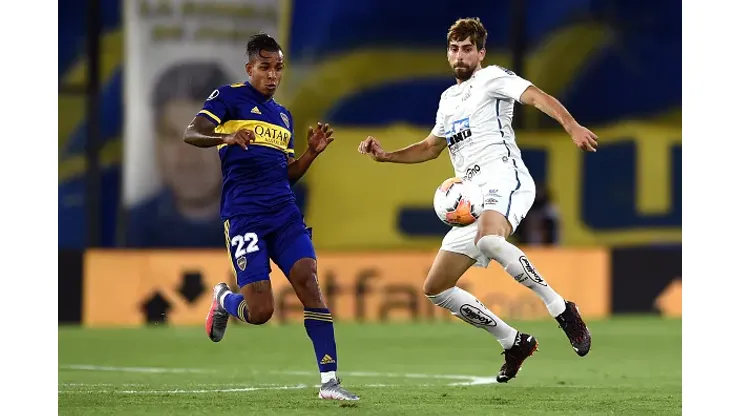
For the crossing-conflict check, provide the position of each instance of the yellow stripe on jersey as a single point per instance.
(208, 113)
(266, 134)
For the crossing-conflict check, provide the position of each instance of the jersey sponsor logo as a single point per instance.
(266, 134)
(472, 171)
(458, 133)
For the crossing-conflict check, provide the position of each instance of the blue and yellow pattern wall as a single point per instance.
(378, 67)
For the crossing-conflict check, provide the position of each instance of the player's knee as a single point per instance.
(492, 246)
(513, 260)
(433, 287)
(303, 275)
(304, 280)
(305, 284)
(439, 297)
(260, 313)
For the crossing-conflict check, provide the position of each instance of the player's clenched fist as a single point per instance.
(240, 138)
(371, 146)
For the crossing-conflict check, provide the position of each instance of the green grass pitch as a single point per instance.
(634, 368)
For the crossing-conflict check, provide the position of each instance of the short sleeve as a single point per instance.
(439, 123)
(215, 107)
(502, 83)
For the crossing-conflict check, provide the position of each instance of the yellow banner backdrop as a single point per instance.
(354, 203)
(131, 288)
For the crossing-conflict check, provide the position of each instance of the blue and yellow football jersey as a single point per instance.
(255, 181)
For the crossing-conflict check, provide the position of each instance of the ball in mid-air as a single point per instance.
(458, 202)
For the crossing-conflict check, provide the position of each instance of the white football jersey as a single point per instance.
(475, 118)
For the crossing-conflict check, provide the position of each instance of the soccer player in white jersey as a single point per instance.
(474, 123)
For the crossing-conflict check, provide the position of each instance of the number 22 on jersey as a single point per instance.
(239, 241)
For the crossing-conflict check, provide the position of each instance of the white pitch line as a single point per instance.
(232, 390)
(378, 374)
(296, 387)
(133, 369)
(103, 385)
(464, 379)
(469, 380)
(476, 381)
(199, 385)
(182, 391)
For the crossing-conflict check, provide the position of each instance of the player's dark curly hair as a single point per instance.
(261, 42)
(470, 26)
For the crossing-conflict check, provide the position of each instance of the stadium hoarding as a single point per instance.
(69, 281)
(647, 280)
(133, 288)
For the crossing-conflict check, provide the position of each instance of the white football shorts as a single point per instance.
(507, 188)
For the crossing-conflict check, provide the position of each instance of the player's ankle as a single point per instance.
(327, 376)
(222, 297)
(556, 307)
(507, 341)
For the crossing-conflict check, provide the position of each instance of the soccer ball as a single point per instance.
(458, 202)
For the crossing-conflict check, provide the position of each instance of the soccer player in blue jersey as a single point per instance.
(254, 137)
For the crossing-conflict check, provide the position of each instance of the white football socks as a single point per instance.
(466, 307)
(326, 376)
(516, 263)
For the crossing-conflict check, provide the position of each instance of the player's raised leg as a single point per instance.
(493, 229)
(254, 304)
(251, 265)
(295, 255)
(217, 317)
(440, 287)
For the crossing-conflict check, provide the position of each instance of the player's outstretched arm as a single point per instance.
(427, 149)
(582, 137)
(201, 133)
(318, 139)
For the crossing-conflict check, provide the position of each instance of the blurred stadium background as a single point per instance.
(140, 240)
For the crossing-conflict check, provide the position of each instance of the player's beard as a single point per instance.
(463, 72)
